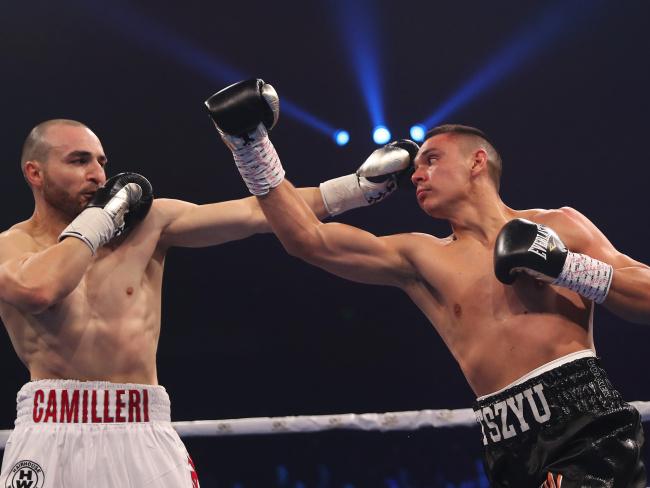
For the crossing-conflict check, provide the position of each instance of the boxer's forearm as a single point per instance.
(629, 294)
(291, 218)
(314, 200)
(47, 277)
(191, 225)
(309, 196)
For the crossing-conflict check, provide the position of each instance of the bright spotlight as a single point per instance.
(381, 134)
(417, 133)
(341, 137)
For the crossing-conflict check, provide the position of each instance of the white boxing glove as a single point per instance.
(375, 179)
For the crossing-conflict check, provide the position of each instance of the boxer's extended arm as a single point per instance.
(190, 225)
(243, 113)
(33, 281)
(341, 249)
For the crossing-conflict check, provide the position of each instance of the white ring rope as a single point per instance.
(410, 420)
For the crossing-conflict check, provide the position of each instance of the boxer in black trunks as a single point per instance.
(512, 303)
(566, 420)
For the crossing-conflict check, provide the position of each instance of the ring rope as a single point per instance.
(389, 421)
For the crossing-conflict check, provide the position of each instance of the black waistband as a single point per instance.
(575, 388)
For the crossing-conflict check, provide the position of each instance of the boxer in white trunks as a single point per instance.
(80, 296)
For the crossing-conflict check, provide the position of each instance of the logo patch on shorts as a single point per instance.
(25, 474)
(552, 481)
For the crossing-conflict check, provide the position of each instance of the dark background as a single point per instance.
(249, 331)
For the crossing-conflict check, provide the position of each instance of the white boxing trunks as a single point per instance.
(105, 435)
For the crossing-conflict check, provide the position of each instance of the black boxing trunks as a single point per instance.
(563, 420)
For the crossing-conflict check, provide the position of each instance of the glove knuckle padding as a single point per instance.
(393, 158)
(272, 99)
(139, 201)
(376, 178)
(408, 145)
(240, 107)
(413, 149)
(504, 257)
(525, 244)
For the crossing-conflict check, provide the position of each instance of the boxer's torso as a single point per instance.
(497, 333)
(108, 327)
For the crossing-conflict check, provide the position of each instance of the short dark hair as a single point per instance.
(495, 164)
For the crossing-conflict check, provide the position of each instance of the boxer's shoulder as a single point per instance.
(166, 211)
(168, 208)
(415, 244)
(552, 216)
(573, 227)
(19, 237)
(163, 212)
(423, 239)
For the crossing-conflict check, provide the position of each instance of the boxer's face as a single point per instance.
(74, 168)
(441, 174)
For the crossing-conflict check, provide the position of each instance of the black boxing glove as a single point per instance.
(138, 209)
(378, 177)
(123, 201)
(243, 113)
(534, 249)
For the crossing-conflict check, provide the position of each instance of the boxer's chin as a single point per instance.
(60, 199)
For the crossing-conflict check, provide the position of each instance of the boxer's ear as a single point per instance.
(479, 162)
(33, 173)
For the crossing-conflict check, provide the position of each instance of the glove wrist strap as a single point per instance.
(94, 226)
(342, 194)
(586, 276)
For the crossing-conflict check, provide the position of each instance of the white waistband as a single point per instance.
(586, 353)
(90, 402)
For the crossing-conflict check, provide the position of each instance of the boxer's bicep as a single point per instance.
(15, 251)
(579, 234)
(186, 224)
(189, 225)
(629, 293)
(357, 255)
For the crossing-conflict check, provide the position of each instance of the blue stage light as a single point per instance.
(381, 134)
(417, 133)
(151, 33)
(561, 17)
(295, 112)
(360, 27)
(341, 137)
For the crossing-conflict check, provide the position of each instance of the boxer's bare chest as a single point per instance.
(120, 282)
(459, 292)
(458, 274)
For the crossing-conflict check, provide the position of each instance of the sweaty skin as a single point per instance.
(71, 315)
(497, 333)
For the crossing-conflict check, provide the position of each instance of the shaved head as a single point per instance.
(36, 146)
(63, 162)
